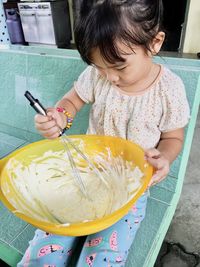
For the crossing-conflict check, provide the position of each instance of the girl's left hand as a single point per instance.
(159, 162)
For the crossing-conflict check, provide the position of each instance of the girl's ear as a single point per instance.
(157, 43)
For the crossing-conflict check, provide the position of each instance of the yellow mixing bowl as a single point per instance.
(92, 144)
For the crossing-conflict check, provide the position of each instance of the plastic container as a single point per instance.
(14, 26)
(92, 145)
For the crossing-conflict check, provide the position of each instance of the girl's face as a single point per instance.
(126, 75)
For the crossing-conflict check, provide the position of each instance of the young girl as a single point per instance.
(132, 98)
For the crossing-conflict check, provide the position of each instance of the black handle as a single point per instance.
(35, 103)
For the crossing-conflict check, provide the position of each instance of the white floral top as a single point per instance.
(139, 117)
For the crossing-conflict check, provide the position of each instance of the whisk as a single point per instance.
(66, 142)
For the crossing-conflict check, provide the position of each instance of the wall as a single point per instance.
(47, 77)
(192, 35)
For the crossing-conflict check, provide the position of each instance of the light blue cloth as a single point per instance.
(108, 248)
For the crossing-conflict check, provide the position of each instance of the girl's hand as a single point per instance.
(159, 162)
(49, 126)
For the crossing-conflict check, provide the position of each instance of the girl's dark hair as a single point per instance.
(100, 23)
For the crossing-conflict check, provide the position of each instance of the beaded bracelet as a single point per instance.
(68, 116)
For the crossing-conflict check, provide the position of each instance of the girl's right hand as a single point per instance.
(50, 126)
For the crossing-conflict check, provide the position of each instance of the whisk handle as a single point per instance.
(35, 103)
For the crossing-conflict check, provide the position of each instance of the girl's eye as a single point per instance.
(120, 69)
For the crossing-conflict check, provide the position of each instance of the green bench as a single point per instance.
(48, 77)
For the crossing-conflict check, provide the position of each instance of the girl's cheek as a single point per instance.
(102, 73)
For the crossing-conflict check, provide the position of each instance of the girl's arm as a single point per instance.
(169, 147)
(171, 143)
(71, 102)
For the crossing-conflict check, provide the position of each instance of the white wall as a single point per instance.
(192, 35)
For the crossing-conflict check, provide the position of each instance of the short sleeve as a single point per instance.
(176, 112)
(85, 85)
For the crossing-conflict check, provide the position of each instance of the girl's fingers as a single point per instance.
(53, 113)
(57, 134)
(41, 118)
(59, 118)
(160, 163)
(153, 152)
(52, 133)
(48, 125)
(159, 175)
(45, 125)
(156, 178)
(157, 163)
